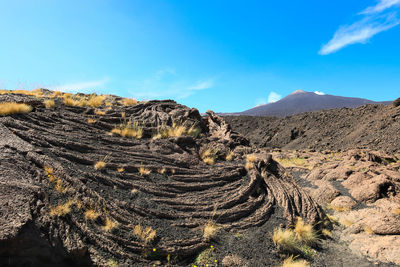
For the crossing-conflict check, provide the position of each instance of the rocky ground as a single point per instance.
(369, 126)
(359, 190)
(108, 181)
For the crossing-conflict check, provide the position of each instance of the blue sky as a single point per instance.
(221, 55)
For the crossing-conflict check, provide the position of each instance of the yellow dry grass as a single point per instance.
(61, 209)
(396, 211)
(229, 156)
(91, 121)
(100, 112)
(161, 170)
(326, 232)
(129, 129)
(368, 230)
(49, 103)
(346, 222)
(121, 169)
(291, 262)
(100, 165)
(305, 232)
(129, 101)
(91, 214)
(144, 171)
(145, 234)
(176, 130)
(68, 101)
(294, 162)
(208, 156)
(249, 165)
(96, 101)
(285, 240)
(9, 108)
(209, 161)
(210, 230)
(109, 225)
(251, 158)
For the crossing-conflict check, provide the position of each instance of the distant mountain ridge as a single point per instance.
(301, 101)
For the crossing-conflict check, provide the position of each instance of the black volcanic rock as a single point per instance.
(301, 101)
(50, 182)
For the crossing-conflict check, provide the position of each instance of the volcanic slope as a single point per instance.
(77, 190)
(370, 126)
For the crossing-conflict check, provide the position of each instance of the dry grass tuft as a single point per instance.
(129, 129)
(305, 232)
(9, 108)
(161, 170)
(368, 230)
(91, 121)
(251, 158)
(249, 165)
(147, 235)
(346, 222)
(121, 169)
(210, 230)
(396, 211)
(100, 165)
(49, 103)
(208, 156)
(100, 112)
(91, 214)
(291, 262)
(96, 101)
(176, 130)
(338, 208)
(229, 156)
(109, 225)
(129, 101)
(144, 171)
(294, 162)
(61, 209)
(326, 232)
(285, 240)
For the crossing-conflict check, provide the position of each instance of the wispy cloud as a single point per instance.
(261, 101)
(167, 84)
(83, 86)
(374, 20)
(273, 97)
(381, 6)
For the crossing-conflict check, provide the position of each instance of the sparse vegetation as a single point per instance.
(291, 262)
(49, 103)
(100, 165)
(121, 169)
(229, 156)
(112, 263)
(144, 171)
(208, 156)
(129, 101)
(129, 129)
(176, 130)
(96, 100)
(210, 230)
(91, 214)
(305, 232)
(91, 121)
(61, 209)
(346, 222)
(338, 208)
(161, 170)
(396, 211)
(109, 225)
(368, 230)
(206, 257)
(100, 112)
(9, 108)
(285, 240)
(294, 162)
(145, 234)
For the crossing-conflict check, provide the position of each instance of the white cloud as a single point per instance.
(261, 101)
(319, 93)
(374, 21)
(86, 86)
(273, 97)
(167, 84)
(381, 6)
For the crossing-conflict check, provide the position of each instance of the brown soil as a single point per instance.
(48, 158)
(369, 126)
